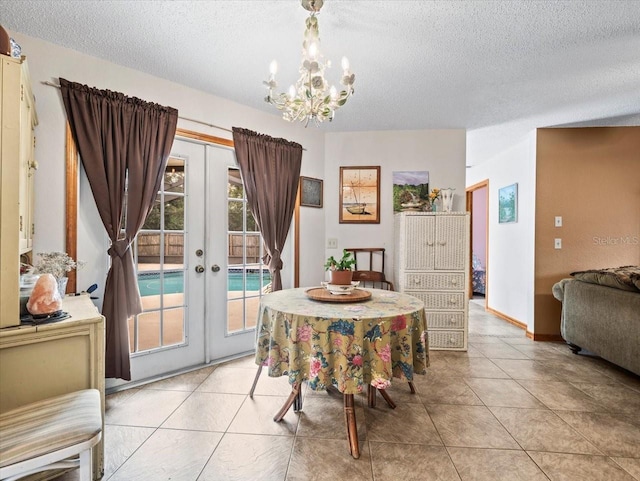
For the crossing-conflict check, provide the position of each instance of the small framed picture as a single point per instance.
(310, 192)
(508, 204)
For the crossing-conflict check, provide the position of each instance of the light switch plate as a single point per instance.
(558, 221)
(557, 243)
(332, 243)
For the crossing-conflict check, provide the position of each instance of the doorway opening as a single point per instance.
(478, 205)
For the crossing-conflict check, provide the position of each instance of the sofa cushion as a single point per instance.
(626, 278)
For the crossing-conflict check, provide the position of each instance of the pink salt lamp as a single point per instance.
(45, 298)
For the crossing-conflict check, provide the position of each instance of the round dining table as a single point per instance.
(342, 344)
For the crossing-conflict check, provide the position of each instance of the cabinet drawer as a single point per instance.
(445, 320)
(443, 281)
(446, 340)
(440, 301)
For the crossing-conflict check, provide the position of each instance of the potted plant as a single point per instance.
(340, 272)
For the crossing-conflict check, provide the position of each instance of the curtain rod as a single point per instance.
(51, 84)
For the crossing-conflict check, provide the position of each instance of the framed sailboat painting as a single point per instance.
(360, 195)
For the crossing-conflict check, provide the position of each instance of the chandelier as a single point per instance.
(311, 97)
(174, 177)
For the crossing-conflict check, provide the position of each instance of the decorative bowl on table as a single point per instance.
(338, 289)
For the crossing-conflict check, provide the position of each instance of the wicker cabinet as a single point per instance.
(17, 167)
(432, 263)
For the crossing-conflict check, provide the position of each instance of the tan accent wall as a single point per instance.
(590, 177)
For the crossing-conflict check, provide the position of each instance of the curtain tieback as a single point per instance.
(274, 263)
(119, 248)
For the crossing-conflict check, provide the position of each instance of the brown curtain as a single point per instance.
(270, 171)
(119, 136)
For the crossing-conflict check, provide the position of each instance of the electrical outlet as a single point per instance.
(557, 243)
(332, 243)
(558, 221)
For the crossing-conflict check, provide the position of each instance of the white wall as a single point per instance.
(511, 246)
(48, 62)
(440, 152)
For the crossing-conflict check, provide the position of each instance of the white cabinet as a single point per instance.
(17, 166)
(432, 263)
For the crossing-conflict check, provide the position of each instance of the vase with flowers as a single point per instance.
(431, 199)
(57, 264)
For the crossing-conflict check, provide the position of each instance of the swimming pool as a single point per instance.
(149, 282)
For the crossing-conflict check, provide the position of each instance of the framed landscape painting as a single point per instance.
(360, 195)
(410, 190)
(310, 192)
(508, 204)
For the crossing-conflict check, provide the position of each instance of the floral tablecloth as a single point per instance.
(347, 345)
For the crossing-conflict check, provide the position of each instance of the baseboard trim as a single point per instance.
(531, 335)
(544, 337)
(504, 317)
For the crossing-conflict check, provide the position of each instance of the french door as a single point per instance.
(241, 280)
(199, 266)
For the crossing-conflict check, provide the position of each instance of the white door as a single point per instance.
(238, 277)
(199, 266)
(170, 334)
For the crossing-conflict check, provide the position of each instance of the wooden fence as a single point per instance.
(149, 248)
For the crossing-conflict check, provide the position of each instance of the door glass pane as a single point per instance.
(160, 256)
(147, 332)
(251, 223)
(174, 175)
(172, 331)
(247, 277)
(173, 211)
(153, 219)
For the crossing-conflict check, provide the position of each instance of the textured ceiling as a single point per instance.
(418, 64)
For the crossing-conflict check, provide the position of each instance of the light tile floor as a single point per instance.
(508, 409)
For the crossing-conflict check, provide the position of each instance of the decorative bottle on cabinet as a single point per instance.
(432, 263)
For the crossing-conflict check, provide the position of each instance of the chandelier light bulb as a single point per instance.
(313, 50)
(312, 96)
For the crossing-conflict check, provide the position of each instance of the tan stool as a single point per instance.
(43, 435)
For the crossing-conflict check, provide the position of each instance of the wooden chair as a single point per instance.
(372, 277)
(371, 257)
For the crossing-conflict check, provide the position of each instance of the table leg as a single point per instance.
(412, 387)
(387, 398)
(371, 396)
(352, 430)
(255, 381)
(295, 392)
(297, 403)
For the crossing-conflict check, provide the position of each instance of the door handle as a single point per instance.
(199, 269)
(215, 268)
